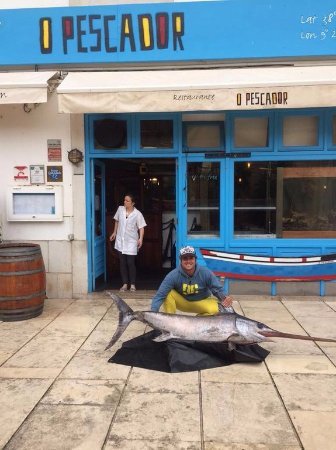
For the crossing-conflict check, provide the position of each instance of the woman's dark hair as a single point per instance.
(131, 196)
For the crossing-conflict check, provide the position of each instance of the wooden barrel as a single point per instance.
(22, 281)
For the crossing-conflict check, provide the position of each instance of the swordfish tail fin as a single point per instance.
(126, 316)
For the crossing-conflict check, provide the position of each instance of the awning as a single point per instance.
(24, 87)
(198, 90)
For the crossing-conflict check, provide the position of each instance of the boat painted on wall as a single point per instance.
(270, 268)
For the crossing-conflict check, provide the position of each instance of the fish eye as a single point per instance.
(260, 325)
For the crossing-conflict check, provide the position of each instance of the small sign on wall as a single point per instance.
(37, 174)
(55, 174)
(21, 173)
(54, 150)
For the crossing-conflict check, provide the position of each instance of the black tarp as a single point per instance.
(176, 355)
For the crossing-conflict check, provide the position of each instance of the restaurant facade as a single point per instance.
(220, 116)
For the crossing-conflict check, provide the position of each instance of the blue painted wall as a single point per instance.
(232, 29)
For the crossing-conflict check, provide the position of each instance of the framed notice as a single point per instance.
(54, 150)
(54, 174)
(35, 203)
(37, 174)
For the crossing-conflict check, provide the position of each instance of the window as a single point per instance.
(156, 134)
(110, 134)
(289, 199)
(300, 130)
(203, 198)
(251, 132)
(203, 136)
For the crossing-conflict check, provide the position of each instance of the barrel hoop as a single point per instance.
(23, 297)
(20, 314)
(19, 251)
(23, 272)
(17, 259)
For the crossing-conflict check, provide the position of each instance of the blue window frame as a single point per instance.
(300, 130)
(210, 134)
(155, 133)
(111, 133)
(251, 130)
(330, 129)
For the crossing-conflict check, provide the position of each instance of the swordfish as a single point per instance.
(227, 327)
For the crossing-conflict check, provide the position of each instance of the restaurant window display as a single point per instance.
(285, 199)
(203, 184)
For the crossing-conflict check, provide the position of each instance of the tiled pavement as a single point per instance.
(57, 390)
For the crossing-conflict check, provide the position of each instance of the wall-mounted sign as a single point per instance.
(54, 174)
(178, 31)
(20, 173)
(37, 174)
(54, 150)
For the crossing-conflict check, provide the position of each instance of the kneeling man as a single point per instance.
(191, 288)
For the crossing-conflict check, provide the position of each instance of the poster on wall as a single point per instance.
(37, 174)
(54, 174)
(54, 150)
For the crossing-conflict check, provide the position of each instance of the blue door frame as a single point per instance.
(96, 223)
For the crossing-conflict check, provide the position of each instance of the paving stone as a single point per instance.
(142, 380)
(238, 373)
(307, 392)
(128, 444)
(314, 309)
(94, 365)
(69, 325)
(29, 372)
(50, 351)
(96, 307)
(324, 327)
(63, 427)
(242, 446)
(283, 346)
(300, 364)
(84, 392)
(4, 355)
(252, 413)
(18, 398)
(331, 303)
(316, 429)
(168, 417)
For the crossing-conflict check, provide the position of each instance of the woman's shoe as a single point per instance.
(133, 288)
(123, 288)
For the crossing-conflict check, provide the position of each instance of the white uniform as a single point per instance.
(128, 230)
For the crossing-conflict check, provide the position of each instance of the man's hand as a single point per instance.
(227, 301)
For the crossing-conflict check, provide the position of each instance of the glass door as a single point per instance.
(98, 232)
(203, 199)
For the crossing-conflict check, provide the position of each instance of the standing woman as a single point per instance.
(128, 234)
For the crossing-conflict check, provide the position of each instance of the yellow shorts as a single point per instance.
(174, 301)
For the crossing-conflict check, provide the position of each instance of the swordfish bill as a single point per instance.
(226, 327)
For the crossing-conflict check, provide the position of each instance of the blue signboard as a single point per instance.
(168, 32)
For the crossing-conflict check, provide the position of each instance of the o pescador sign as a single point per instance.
(262, 99)
(168, 32)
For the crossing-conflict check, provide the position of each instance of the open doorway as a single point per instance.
(152, 181)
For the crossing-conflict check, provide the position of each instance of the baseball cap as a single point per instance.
(188, 250)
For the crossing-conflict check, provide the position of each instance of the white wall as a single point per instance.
(23, 141)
